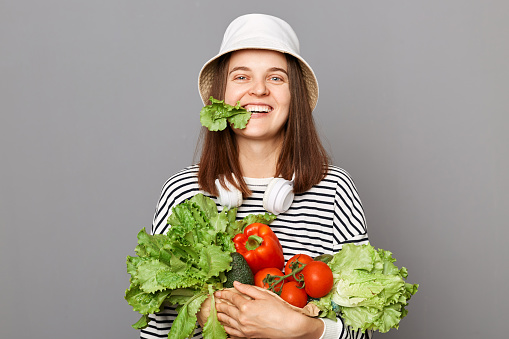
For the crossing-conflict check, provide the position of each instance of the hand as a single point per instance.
(204, 312)
(255, 313)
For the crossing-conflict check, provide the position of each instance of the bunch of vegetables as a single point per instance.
(205, 251)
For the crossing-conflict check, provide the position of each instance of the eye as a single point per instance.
(276, 78)
(239, 77)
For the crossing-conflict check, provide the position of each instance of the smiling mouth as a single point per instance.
(258, 108)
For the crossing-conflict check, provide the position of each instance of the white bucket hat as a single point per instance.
(258, 31)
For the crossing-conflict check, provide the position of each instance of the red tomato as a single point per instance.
(261, 274)
(303, 259)
(318, 279)
(293, 294)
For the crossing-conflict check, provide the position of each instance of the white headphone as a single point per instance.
(277, 198)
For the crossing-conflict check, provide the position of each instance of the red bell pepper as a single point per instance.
(260, 247)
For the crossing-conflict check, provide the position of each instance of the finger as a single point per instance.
(230, 325)
(233, 333)
(231, 290)
(229, 310)
(232, 297)
(251, 291)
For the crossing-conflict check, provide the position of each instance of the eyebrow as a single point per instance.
(244, 68)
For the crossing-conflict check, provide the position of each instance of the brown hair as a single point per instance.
(301, 153)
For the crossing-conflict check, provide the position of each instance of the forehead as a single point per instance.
(257, 58)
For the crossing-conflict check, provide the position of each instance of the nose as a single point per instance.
(259, 88)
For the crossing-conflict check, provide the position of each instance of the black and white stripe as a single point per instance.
(319, 221)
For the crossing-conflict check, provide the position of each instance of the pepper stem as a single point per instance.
(253, 242)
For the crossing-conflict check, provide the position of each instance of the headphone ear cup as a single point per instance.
(230, 197)
(279, 196)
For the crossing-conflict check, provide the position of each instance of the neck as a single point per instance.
(258, 159)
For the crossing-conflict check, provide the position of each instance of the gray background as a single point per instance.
(99, 106)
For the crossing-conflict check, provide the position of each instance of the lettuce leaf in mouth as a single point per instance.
(370, 291)
(218, 114)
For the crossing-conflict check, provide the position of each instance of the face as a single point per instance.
(259, 80)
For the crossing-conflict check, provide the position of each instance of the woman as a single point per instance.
(259, 66)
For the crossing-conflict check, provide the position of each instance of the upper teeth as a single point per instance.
(258, 108)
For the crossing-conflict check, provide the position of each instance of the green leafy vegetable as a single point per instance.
(370, 292)
(266, 219)
(185, 323)
(216, 115)
(186, 265)
(213, 328)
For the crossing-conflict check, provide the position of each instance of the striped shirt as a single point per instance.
(319, 221)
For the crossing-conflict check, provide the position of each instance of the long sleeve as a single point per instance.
(349, 227)
(334, 330)
(349, 220)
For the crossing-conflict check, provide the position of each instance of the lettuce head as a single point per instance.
(370, 291)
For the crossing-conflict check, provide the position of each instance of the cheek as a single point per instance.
(231, 95)
(285, 97)
(286, 102)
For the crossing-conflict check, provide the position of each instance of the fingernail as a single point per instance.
(218, 294)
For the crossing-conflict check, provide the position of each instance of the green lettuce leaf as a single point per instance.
(205, 204)
(219, 222)
(213, 261)
(265, 218)
(238, 226)
(326, 307)
(352, 257)
(185, 323)
(180, 296)
(145, 302)
(141, 323)
(217, 115)
(169, 279)
(213, 328)
(153, 246)
(146, 276)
